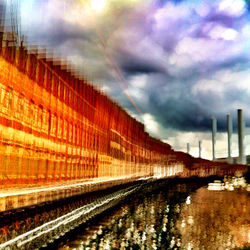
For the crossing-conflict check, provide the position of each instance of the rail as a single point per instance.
(52, 230)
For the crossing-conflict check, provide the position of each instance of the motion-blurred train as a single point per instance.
(55, 127)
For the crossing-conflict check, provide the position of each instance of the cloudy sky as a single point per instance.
(171, 64)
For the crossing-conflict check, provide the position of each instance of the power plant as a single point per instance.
(241, 159)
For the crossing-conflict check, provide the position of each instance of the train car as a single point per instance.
(57, 128)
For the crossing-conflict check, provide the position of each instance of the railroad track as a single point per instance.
(52, 230)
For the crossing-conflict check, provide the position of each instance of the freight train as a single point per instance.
(55, 127)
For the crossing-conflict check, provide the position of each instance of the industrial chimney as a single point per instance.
(188, 147)
(229, 137)
(199, 149)
(214, 130)
(241, 138)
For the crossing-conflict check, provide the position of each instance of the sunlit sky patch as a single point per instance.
(180, 61)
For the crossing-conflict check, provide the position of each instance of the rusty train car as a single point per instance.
(55, 127)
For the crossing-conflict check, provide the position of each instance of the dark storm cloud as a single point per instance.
(59, 32)
(136, 68)
(184, 110)
(174, 103)
(172, 113)
(239, 62)
(177, 50)
(178, 109)
(134, 64)
(223, 18)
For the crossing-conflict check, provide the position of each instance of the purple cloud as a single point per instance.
(179, 48)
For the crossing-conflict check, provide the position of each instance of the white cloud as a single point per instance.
(198, 49)
(136, 93)
(136, 88)
(219, 32)
(209, 86)
(105, 88)
(171, 12)
(246, 30)
(222, 81)
(138, 81)
(203, 9)
(233, 7)
(150, 124)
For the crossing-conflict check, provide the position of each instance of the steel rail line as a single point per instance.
(68, 221)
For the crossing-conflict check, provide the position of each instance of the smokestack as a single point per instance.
(188, 147)
(229, 137)
(241, 138)
(199, 149)
(214, 130)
